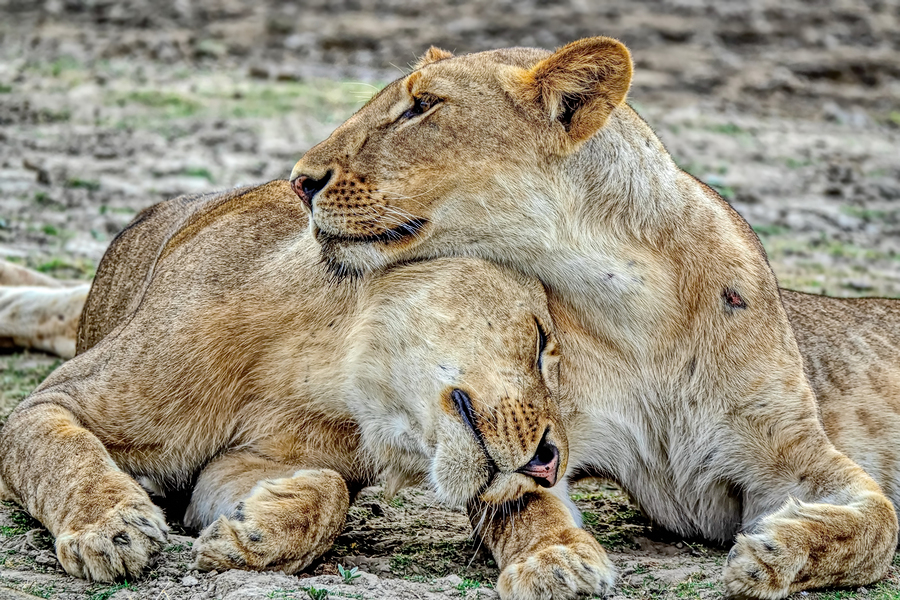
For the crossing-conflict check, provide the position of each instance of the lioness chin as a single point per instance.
(219, 357)
(678, 358)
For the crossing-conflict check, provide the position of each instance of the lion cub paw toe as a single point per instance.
(121, 545)
(560, 571)
(284, 525)
(758, 566)
(235, 543)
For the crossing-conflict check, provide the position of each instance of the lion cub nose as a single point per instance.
(306, 187)
(544, 465)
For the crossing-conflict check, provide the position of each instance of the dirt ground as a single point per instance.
(789, 108)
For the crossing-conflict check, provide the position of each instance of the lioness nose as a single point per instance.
(544, 465)
(306, 187)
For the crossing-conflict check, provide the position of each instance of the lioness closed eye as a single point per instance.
(680, 364)
(225, 359)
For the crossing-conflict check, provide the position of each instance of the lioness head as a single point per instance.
(463, 156)
(454, 380)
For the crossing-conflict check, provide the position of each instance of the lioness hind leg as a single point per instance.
(541, 551)
(105, 525)
(836, 529)
(263, 515)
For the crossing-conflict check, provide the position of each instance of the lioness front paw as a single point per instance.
(283, 525)
(121, 545)
(560, 571)
(759, 566)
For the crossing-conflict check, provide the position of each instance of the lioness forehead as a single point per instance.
(471, 66)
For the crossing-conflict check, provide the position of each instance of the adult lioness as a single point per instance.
(233, 364)
(678, 357)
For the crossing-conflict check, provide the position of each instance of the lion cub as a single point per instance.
(234, 365)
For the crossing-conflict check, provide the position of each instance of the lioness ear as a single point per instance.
(433, 55)
(581, 84)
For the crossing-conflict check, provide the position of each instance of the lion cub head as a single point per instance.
(473, 155)
(454, 380)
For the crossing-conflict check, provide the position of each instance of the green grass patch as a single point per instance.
(770, 230)
(108, 591)
(19, 378)
(199, 172)
(173, 104)
(65, 268)
(867, 214)
(435, 560)
(85, 184)
(727, 129)
(22, 521)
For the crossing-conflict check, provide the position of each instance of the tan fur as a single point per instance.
(680, 371)
(218, 356)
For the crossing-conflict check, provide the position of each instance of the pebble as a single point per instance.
(189, 581)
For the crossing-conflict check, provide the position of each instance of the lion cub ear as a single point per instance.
(580, 84)
(433, 55)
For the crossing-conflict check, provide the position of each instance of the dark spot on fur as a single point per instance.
(238, 514)
(770, 547)
(692, 368)
(753, 574)
(732, 299)
(60, 317)
(558, 573)
(237, 560)
(255, 536)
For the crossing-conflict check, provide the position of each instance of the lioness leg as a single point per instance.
(541, 551)
(836, 528)
(265, 515)
(105, 525)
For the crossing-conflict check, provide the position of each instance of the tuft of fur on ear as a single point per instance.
(433, 55)
(580, 84)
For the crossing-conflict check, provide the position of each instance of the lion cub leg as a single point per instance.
(105, 525)
(264, 515)
(541, 550)
(832, 526)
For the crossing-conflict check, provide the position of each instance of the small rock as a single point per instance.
(189, 581)
(858, 284)
(45, 558)
(450, 581)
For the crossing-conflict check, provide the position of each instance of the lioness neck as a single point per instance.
(639, 246)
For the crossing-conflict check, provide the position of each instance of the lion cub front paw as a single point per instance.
(284, 525)
(120, 545)
(568, 570)
(758, 566)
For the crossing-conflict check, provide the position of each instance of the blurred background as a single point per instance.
(789, 108)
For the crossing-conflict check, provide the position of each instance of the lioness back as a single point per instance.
(127, 266)
(850, 353)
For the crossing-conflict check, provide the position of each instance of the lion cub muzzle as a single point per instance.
(505, 435)
(544, 465)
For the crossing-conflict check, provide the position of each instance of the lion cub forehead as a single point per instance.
(462, 289)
